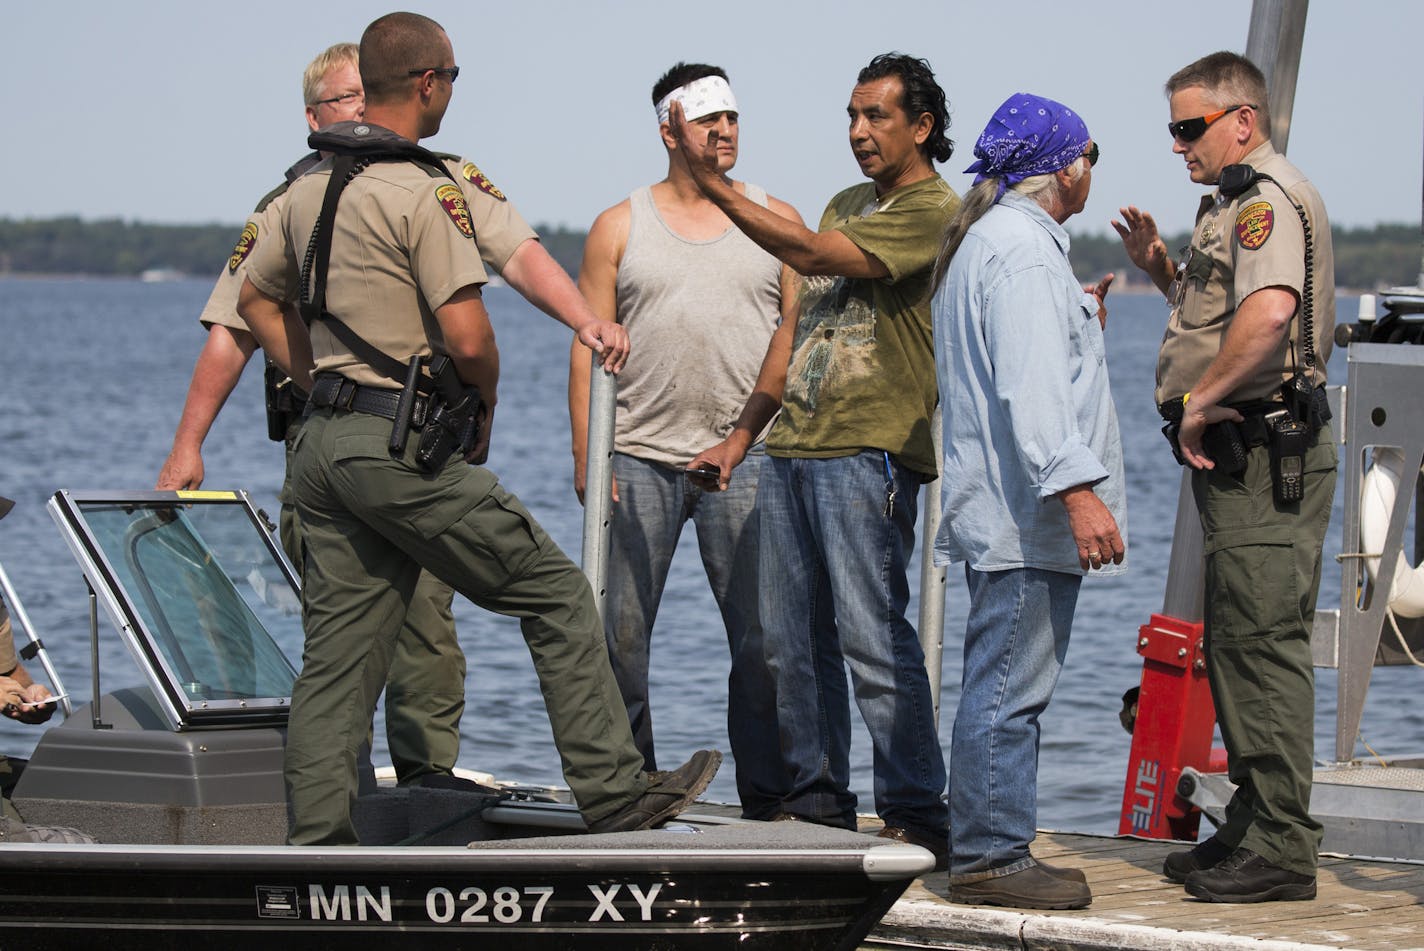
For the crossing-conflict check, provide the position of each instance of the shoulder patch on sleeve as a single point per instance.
(245, 243)
(454, 203)
(1254, 224)
(477, 178)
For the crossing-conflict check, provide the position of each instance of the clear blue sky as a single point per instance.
(188, 111)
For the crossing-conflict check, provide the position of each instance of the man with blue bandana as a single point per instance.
(1031, 480)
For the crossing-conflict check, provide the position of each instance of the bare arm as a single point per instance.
(1256, 330)
(806, 251)
(469, 340)
(598, 282)
(765, 398)
(534, 273)
(219, 367)
(279, 331)
(1144, 246)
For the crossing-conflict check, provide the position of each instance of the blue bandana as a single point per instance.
(1028, 135)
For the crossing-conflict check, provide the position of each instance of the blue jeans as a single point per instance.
(655, 502)
(1014, 645)
(834, 596)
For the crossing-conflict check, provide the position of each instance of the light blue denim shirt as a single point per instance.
(1023, 382)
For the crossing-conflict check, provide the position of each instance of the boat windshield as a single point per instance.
(208, 601)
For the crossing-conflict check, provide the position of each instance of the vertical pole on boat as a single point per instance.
(932, 579)
(97, 719)
(1174, 716)
(598, 482)
(1273, 44)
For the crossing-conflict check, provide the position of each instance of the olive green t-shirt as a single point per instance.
(862, 372)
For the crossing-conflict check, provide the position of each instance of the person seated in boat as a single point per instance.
(700, 302)
(20, 699)
(1032, 480)
(425, 692)
(395, 281)
(836, 500)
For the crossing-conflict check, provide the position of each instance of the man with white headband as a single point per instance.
(700, 302)
(837, 496)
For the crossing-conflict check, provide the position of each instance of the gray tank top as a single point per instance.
(699, 315)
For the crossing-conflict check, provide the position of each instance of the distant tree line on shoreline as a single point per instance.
(1365, 258)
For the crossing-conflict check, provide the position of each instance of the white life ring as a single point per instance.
(1381, 484)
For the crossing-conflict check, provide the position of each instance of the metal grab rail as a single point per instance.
(598, 480)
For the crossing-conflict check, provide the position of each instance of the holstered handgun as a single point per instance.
(285, 403)
(452, 423)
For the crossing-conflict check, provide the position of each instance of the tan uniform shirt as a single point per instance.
(499, 231)
(9, 660)
(402, 245)
(1240, 246)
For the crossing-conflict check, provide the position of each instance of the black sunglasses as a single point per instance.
(1092, 154)
(1189, 130)
(452, 71)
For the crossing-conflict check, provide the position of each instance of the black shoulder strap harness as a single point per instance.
(354, 146)
(297, 169)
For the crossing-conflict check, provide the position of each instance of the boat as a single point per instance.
(179, 779)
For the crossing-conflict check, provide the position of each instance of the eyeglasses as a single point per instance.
(1092, 154)
(1189, 130)
(343, 100)
(453, 72)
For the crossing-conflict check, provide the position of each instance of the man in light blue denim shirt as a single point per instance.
(1032, 480)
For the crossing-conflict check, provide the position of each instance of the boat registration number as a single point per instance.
(612, 902)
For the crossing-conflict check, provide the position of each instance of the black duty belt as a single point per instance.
(335, 391)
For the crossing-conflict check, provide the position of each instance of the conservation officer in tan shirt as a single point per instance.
(404, 277)
(425, 693)
(1241, 373)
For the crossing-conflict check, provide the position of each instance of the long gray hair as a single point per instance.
(1043, 189)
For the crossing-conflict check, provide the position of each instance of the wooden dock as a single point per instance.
(1361, 904)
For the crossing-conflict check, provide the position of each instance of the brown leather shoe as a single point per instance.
(1033, 887)
(1070, 874)
(666, 796)
(937, 845)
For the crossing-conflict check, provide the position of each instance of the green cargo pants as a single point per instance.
(425, 691)
(369, 524)
(1262, 575)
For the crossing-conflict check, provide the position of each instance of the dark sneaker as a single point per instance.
(1033, 887)
(1243, 876)
(938, 845)
(1203, 855)
(671, 792)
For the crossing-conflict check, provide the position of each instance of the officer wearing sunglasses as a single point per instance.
(1238, 346)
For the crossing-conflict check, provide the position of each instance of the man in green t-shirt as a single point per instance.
(854, 377)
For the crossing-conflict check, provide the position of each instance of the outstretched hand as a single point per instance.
(700, 157)
(1140, 238)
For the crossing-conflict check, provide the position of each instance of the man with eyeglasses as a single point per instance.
(390, 273)
(425, 695)
(1241, 384)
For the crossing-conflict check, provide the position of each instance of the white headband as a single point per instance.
(699, 98)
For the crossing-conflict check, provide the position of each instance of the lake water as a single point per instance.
(92, 380)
